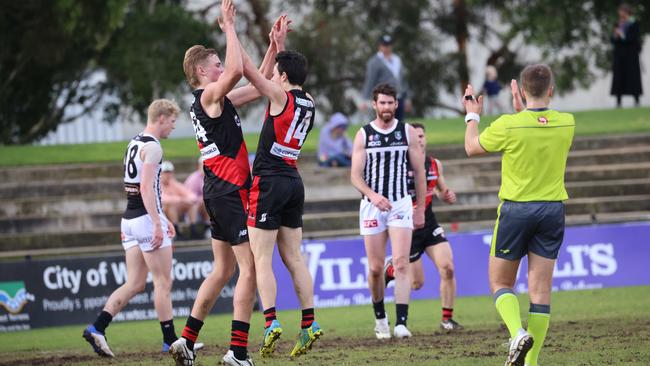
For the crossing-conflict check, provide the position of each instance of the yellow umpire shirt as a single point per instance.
(535, 145)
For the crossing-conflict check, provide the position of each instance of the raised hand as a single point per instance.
(471, 104)
(274, 29)
(280, 30)
(517, 101)
(227, 17)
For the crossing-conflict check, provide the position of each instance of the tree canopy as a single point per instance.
(48, 48)
(573, 37)
(51, 49)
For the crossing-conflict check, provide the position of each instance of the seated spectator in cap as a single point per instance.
(194, 182)
(334, 146)
(177, 200)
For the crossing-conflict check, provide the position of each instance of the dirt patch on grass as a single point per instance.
(423, 348)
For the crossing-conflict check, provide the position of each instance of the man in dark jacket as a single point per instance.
(386, 67)
(626, 69)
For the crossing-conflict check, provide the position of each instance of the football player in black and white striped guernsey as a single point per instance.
(379, 171)
(146, 232)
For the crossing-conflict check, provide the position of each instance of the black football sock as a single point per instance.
(169, 334)
(191, 331)
(380, 311)
(103, 320)
(402, 314)
(239, 339)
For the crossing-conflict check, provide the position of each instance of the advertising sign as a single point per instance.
(590, 257)
(40, 293)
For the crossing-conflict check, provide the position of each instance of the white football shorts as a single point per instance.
(374, 221)
(139, 231)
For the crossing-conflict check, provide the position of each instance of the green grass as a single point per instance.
(594, 327)
(439, 131)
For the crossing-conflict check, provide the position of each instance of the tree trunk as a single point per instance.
(461, 35)
(260, 8)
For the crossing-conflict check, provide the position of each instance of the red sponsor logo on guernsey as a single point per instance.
(369, 223)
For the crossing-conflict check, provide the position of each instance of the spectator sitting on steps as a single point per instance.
(194, 182)
(177, 200)
(334, 147)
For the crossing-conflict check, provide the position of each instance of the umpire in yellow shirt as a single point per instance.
(535, 144)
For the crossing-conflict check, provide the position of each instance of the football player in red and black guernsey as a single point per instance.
(431, 238)
(227, 181)
(277, 195)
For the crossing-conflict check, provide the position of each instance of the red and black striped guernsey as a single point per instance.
(222, 147)
(283, 135)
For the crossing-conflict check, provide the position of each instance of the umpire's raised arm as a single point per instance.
(473, 107)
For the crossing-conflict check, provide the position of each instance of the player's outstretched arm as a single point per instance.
(444, 193)
(268, 88)
(233, 69)
(277, 38)
(356, 174)
(416, 159)
(473, 107)
(248, 93)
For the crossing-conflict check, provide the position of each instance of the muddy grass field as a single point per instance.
(598, 327)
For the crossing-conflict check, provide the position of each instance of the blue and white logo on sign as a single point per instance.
(14, 296)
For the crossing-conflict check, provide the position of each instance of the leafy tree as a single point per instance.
(52, 49)
(48, 50)
(339, 36)
(144, 60)
(573, 37)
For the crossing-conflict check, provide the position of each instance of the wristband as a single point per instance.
(472, 116)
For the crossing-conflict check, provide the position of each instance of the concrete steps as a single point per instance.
(47, 215)
(456, 151)
(582, 173)
(80, 206)
(106, 240)
(185, 166)
(458, 213)
(18, 182)
(58, 173)
(489, 195)
(45, 231)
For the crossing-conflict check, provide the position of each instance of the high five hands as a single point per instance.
(279, 30)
